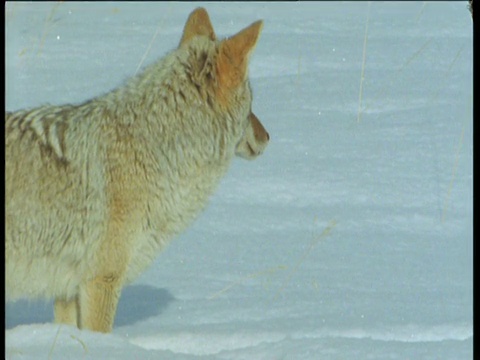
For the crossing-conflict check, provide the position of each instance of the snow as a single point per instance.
(351, 237)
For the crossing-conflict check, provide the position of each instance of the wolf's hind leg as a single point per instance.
(66, 311)
(98, 303)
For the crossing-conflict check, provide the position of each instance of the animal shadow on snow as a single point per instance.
(140, 302)
(137, 303)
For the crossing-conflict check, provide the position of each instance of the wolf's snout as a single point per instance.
(254, 141)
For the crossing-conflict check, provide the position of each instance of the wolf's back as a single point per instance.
(49, 197)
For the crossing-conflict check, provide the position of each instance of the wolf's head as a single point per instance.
(227, 75)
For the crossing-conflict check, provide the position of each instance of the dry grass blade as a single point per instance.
(362, 75)
(314, 242)
(245, 278)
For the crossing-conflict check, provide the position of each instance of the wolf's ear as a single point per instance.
(232, 60)
(198, 23)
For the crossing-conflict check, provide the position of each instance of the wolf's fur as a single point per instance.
(94, 191)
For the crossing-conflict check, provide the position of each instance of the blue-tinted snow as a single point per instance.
(351, 237)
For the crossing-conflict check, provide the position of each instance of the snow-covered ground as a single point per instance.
(351, 237)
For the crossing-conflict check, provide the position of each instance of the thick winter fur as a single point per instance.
(95, 191)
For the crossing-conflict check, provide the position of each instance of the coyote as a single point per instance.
(95, 191)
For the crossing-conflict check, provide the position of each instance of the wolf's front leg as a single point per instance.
(66, 311)
(99, 293)
(98, 302)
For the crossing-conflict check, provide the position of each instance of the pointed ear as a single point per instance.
(198, 23)
(233, 56)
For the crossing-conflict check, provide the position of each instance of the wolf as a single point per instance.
(94, 191)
